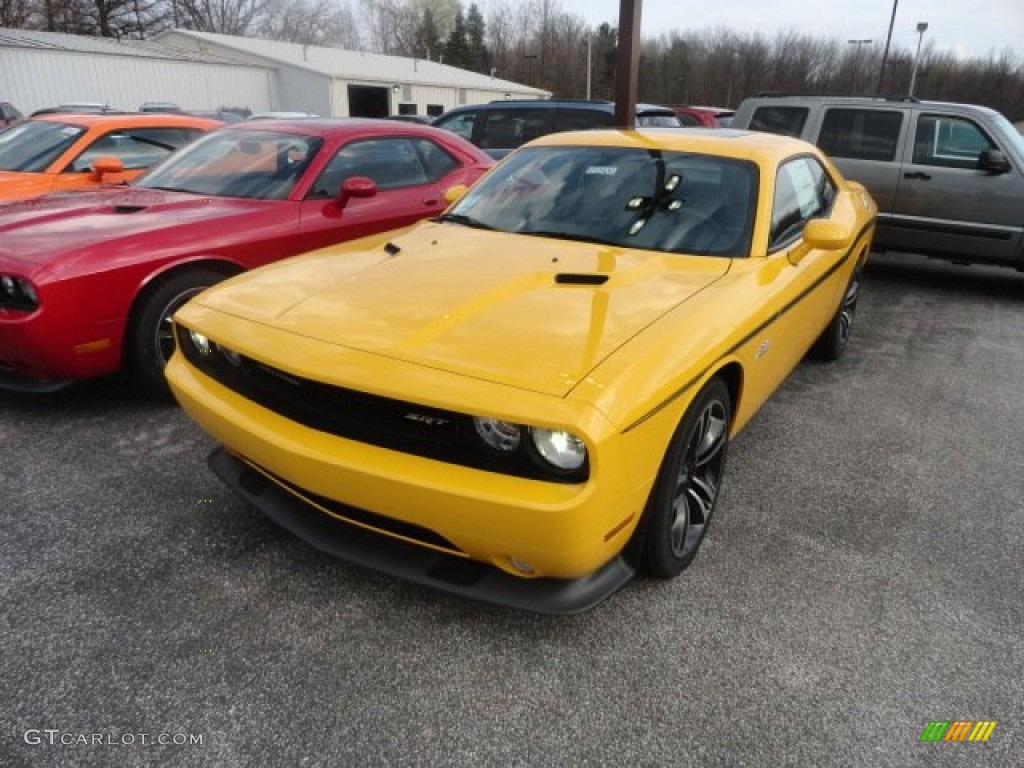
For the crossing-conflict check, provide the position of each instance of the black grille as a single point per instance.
(395, 424)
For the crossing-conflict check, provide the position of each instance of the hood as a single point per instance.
(534, 313)
(52, 231)
(17, 186)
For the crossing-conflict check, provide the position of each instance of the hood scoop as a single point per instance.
(129, 208)
(580, 278)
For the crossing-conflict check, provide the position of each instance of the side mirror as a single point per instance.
(356, 186)
(993, 161)
(454, 193)
(101, 166)
(821, 234)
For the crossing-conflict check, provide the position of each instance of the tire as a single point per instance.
(832, 342)
(683, 499)
(151, 337)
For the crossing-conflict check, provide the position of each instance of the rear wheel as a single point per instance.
(684, 495)
(151, 336)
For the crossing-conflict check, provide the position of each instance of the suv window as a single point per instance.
(460, 124)
(950, 142)
(788, 121)
(582, 119)
(862, 134)
(511, 128)
(803, 191)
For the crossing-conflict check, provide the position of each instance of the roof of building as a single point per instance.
(358, 65)
(142, 49)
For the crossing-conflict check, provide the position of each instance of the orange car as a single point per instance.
(70, 151)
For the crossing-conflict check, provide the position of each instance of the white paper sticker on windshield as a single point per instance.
(601, 170)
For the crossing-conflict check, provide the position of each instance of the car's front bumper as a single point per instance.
(290, 509)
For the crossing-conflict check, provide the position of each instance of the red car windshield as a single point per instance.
(262, 165)
(32, 146)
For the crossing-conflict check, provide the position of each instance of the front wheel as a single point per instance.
(685, 492)
(832, 342)
(151, 336)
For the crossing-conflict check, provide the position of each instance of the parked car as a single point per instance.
(9, 115)
(530, 398)
(81, 108)
(88, 281)
(498, 127)
(706, 117)
(280, 115)
(948, 178)
(53, 153)
(159, 106)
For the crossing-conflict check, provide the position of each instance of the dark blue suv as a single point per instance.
(498, 127)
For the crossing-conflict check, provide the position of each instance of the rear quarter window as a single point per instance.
(787, 121)
(861, 134)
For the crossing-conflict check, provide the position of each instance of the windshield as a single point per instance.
(263, 165)
(32, 146)
(673, 202)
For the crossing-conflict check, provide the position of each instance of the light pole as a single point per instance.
(922, 26)
(529, 63)
(885, 54)
(856, 59)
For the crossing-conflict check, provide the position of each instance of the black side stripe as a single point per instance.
(803, 295)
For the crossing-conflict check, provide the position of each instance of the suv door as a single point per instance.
(865, 145)
(946, 205)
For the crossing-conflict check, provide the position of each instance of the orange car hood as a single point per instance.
(17, 186)
(530, 312)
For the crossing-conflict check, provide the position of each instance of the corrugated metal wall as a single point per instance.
(423, 96)
(34, 79)
(303, 91)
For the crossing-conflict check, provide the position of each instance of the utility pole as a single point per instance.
(628, 64)
(885, 54)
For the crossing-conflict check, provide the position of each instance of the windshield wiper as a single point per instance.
(464, 220)
(570, 236)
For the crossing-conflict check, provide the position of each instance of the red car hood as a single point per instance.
(52, 232)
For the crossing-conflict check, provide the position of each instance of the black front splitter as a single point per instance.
(437, 570)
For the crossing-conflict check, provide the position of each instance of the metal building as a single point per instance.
(341, 83)
(43, 69)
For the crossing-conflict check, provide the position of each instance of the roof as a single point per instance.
(358, 65)
(329, 126)
(132, 120)
(140, 49)
(749, 145)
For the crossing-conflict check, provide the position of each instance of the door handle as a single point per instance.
(917, 175)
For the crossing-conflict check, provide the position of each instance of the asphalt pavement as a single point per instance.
(862, 578)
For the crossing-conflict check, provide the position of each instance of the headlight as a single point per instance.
(559, 448)
(500, 435)
(18, 293)
(202, 344)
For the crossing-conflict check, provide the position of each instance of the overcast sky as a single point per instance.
(968, 27)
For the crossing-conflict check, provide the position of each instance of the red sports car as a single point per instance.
(89, 280)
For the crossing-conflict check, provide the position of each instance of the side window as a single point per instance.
(803, 191)
(511, 128)
(582, 119)
(390, 163)
(135, 147)
(949, 142)
(460, 124)
(435, 159)
(787, 121)
(862, 134)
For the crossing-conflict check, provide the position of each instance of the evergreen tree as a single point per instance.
(476, 32)
(456, 50)
(428, 40)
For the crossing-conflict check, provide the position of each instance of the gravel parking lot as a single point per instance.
(863, 577)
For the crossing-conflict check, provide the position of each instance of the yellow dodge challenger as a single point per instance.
(529, 399)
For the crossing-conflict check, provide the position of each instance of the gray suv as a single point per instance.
(948, 178)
